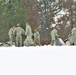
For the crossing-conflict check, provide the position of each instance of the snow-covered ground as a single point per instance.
(38, 61)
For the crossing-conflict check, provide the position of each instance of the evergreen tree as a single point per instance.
(11, 13)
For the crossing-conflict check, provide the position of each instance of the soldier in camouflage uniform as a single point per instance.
(36, 37)
(54, 36)
(28, 41)
(11, 35)
(18, 33)
(74, 34)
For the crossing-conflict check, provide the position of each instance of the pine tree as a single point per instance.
(11, 13)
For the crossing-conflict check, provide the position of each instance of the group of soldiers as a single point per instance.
(55, 37)
(17, 33)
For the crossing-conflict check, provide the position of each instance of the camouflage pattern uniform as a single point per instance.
(28, 41)
(37, 38)
(10, 33)
(11, 36)
(54, 36)
(74, 35)
(18, 32)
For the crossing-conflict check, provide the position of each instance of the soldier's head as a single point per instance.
(67, 43)
(35, 30)
(18, 25)
(26, 24)
(14, 27)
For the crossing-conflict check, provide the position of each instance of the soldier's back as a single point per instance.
(53, 32)
(74, 31)
(10, 31)
(19, 30)
(29, 33)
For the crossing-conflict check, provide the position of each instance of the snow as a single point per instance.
(59, 14)
(53, 25)
(39, 12)
(68, 23)
(12, 46)
(38, 0)
(42, 5)
(47, 28)
(38, 61)
(57, 7)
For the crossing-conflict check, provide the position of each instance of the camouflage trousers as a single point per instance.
(19, 41)
(37, 41)
(74, 39)
(54, 42)
(28, 41)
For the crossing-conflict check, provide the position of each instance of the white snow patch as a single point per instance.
(47, 28)
(38, 61)
(60, 14)
(53, 25)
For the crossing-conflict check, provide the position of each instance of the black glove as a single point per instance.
(32, 36)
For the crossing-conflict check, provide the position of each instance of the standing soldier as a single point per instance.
(11, 34)
(18, 32)
(54, 36)
(36, 37)
(74, 34)
(28, 41)
(14, 37)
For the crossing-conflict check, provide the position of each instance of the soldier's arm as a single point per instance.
(14, 32)
(23, 31)
(38, 35)
(8, 32)
(56, 33)
(27, 30)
